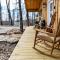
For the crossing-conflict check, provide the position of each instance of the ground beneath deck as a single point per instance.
(24, 49)
(6, 49)
(9, 41)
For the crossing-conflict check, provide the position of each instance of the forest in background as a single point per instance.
(14, 12)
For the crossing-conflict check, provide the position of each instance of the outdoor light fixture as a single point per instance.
(54, 7)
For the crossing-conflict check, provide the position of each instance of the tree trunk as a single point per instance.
(9, 13)
(21, 21)
(27, 19)
(32, 19)
(0, 14)
(13, 15)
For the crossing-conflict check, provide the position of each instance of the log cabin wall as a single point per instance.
(57, 7)
(44, 9)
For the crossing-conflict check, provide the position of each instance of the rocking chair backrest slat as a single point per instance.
(58, 29)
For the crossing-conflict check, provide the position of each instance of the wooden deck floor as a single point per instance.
(24, 49)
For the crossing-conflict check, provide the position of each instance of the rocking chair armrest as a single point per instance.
(38, 30)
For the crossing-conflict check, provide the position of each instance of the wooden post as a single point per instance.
(21, 21)
(32, 19)
(27, 18)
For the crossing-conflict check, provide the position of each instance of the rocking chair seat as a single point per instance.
(46, 37)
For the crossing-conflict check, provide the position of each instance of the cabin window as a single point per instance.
(51, 7)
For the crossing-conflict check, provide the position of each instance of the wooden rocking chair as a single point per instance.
(48, 38)
(50, 28)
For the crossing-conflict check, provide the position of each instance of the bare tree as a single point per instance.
(0, 13)
(13, 15)
(9, 13)
(20, 12)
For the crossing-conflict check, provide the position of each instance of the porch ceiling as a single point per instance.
(33, 5)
